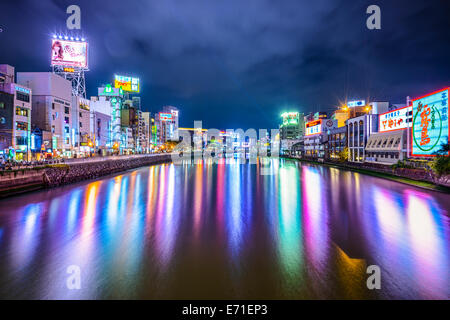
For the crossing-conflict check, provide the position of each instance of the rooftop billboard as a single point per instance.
(164, 116)
(356, 103)
(69, 53)
(128, 84)
(290, 118)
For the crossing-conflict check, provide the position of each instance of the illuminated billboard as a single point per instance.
(430, 123)
(128, 84)
(69, 53)
(313, 127)
(165, 116)
(109, 91)
(290, 118)
(395, 120)
(356, 103)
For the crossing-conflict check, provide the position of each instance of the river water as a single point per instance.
(227, 230)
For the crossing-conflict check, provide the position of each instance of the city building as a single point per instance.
(16, 119)
(316, 137)
(146, 134)
(336, 142)
(129, 123)
(293, 126)
(52, 110)
(113, 98)
(6, 124)
(341, 115)
(166, 123)
(101, 112)
(378, 107)
(83, 139)
(387, 147)
(298, 149)
(292, 130)
(141, 135)
(359, 129)
(287, 144)
(352, 109)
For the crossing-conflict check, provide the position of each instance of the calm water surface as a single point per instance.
(203, 230)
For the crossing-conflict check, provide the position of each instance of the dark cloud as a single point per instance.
(240, 63)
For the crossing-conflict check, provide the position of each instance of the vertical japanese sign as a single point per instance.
(430, 123)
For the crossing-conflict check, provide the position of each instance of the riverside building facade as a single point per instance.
(52, 110)
(16, 121)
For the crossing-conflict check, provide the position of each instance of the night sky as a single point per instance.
(240, 63)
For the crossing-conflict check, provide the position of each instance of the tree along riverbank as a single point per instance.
(23, 180)
(415, 177)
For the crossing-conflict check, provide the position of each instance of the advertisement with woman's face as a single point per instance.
(69, 53)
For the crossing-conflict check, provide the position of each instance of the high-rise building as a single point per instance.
(52, 110)
(83, 141)
(101, 124)
(16, 119)
(146, 134)
(292, 130)
(167, 123)
(6, 123)
(293, 126)
(115, 97)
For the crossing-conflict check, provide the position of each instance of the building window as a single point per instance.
(22, 96)
(2, 105)
(66, 120)
(81, 125)
(66, 129)
(21, 112)
(2, 120)
(81, 115)
(53, 106)
(21, 141)
(66, 110)
(21, 126)
(53, 129)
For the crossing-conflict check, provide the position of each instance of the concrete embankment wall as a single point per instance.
(69, 173)
(419, 175)
(52, 176)
(17, 181)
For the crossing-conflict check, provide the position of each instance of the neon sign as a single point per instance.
(128, 84)
(313, 127)
(430, 123)
(165, 116)
(395, 120)
(356, 103)
(290, 118)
